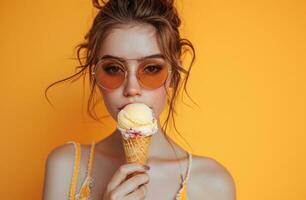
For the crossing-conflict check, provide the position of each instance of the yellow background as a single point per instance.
(248, 79)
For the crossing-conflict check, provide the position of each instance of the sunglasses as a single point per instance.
(110, 73)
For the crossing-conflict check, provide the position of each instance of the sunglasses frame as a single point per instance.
(93, 73)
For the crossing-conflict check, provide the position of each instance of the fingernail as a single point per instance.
(146, 167)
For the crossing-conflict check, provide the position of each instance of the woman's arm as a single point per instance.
(58, 173)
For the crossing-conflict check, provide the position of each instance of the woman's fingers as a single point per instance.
(139, 194)
(128, 182)
(122, 173)
(132, 184)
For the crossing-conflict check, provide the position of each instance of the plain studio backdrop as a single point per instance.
(248, 80)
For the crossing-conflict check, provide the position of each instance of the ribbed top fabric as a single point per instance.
(85, 191)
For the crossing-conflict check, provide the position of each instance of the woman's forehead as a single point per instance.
(130, 42)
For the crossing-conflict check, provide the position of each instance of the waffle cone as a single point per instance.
(136, 149)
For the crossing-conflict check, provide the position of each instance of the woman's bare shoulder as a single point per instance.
(58, 170)
(61, 152)
(65, 155)
(210, 179)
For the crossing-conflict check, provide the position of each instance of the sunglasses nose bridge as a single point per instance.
(133, 74)
(131, 84)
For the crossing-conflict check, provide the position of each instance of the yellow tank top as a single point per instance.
(84, 193)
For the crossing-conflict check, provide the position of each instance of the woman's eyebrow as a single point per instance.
(142, 58)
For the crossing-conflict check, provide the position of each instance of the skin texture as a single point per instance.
(208, 178)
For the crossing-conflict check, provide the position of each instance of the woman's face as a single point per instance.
(132, 41)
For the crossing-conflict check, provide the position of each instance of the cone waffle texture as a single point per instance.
(136, 149)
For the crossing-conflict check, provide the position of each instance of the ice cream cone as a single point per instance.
(136, 149)
(137, 125)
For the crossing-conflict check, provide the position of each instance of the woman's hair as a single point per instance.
(159, 13)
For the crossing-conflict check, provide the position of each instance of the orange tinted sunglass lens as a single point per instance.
(109, 74)
(153, 76)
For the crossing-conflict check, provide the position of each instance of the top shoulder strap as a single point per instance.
(189, 166)
(85, 191)
(182, 193)
(75, 170)
(91, 159)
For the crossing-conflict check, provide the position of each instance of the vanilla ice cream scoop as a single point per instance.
(136, 119)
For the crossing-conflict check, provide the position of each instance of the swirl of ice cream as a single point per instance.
(136, 119)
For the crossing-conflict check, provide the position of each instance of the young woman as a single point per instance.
(133, 54)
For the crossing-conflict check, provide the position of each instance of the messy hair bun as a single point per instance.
(143, 8)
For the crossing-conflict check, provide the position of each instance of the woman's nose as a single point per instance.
(132, 86)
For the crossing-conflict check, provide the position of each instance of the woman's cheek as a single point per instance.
(109, 103)
(161, 102)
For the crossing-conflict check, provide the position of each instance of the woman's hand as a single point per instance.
(129, 182)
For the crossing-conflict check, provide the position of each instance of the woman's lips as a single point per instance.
(124, 106)
(120, 108)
